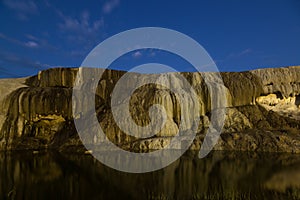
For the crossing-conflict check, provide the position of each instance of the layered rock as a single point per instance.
(37, 111)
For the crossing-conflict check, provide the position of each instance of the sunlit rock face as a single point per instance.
(262, 109)
(283, 81)
(281, 90)
(243, 86)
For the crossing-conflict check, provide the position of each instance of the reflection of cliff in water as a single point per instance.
(222, 175)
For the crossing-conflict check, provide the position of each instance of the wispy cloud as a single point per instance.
(78, 33)
(110, 5)
(15, 60)
(154, 52)
(230, 60)
(10, 39)
(31, 44)
(137, 54)
(28, 44)
(23, 66)
(35, 42)
(81, 31)
(22, 8)
(144, 52)
(241, 53)
(82, 26)
(31, 37)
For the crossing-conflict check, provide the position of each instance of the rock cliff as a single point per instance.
(262, 110)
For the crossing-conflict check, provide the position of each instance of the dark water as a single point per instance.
(221, 175)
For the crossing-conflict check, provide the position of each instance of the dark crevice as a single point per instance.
(279, 95)
(297, 101)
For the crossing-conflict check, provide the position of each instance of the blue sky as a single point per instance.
(239, 35)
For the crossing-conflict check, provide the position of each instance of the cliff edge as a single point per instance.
(262, 112)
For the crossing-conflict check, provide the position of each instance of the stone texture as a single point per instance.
(261, 115)
(283, 81)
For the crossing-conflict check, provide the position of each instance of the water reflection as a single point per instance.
(221, 175)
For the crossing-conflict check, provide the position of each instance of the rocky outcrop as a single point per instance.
(282, 81)
(262, 110)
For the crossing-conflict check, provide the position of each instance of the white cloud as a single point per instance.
(137, 54)
(241, 53)
(81, 30)
(31, 44)
(82, 26)
(110, 5)
(22, 8)
(42, 43)
(152, 52)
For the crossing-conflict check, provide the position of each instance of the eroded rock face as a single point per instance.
(36, 112)
(283, 81)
